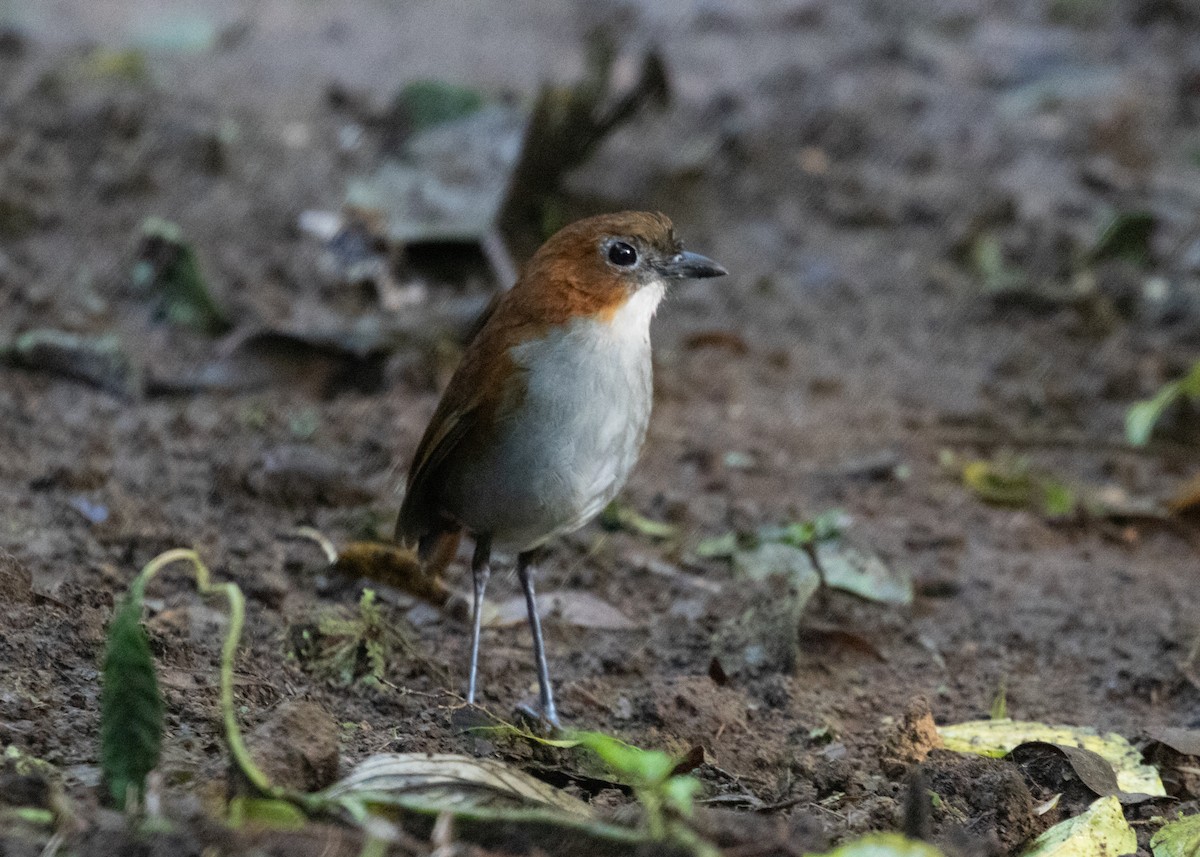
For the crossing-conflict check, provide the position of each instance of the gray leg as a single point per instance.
(525, 572)
(481, 570)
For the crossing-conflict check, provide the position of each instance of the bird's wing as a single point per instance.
(446, 429)
(478, 388)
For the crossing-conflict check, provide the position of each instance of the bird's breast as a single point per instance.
(576, 431)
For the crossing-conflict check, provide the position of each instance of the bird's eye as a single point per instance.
(622, 254)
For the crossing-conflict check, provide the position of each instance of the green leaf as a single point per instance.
(1002, 482)
(639, 767)
(1189, 384)
(131, 707)
(1058, 499)
(1102, 831)
(1127, 236)
(426, 103)
(1142, 417)
(1178, 839)
(168, 266)
(265, 812)
(718, 546)
(618, 516)
(864, 573)
(680, 792)
(987, 258)
(826, 526)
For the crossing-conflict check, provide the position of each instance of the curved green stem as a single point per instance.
(237, 620)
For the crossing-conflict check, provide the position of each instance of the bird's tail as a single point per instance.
(437, 550)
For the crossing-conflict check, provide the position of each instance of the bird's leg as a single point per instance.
(525, 572)
(481, 570)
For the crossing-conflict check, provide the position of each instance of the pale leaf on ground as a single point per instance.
(863, 574)
(998, 738)
(1102, 831)
(883, 845)
(846, 567)
(452, 782)
(576, 607)
(1178, 839)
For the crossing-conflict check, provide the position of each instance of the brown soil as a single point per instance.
(853, 151)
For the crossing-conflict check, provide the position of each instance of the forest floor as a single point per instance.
(907, 197)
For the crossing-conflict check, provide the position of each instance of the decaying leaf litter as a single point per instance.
(976, 336)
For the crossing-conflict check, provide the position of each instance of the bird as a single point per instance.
(546, 413)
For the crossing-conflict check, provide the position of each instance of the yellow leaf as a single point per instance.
(998, 738)
(1102, 831)
(1178, 839)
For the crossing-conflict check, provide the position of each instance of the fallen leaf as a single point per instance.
(1010, 481)
(725, 545)
(576, 607)
(422, 104)
(1092, 769)
(619, 516)
(775, 559)
(1101, 831)
(450, 781)
(108, 64)
(883, 845)
(998, 738)
(100, 361)
(1178, 839)
(450, 182)
(1185, 741)
(864, 574)
(1142, 417)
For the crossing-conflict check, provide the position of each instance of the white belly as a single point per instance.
(577, 433)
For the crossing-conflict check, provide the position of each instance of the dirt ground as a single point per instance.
(841, 160)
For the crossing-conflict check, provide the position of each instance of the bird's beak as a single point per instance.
(685, 266)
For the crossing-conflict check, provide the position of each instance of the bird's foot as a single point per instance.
(533, 718)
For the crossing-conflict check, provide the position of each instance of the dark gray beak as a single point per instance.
(687, 266)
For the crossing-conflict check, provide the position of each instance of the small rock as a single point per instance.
(297, 747)
(916, 734)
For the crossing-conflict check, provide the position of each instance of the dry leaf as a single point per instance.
(576, 607)
(452, 782)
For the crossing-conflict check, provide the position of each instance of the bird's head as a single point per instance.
(595, 265)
